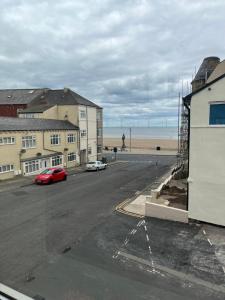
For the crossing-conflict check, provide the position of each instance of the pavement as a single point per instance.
(65, 241)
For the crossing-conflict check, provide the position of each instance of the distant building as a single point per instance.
(62, 104)
(206, 148)
(28, 146)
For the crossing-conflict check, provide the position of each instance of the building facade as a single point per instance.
(28, 146)
(206, 151)
(61, 105)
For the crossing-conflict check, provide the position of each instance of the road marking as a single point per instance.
(209, 242)
(145, 228)
(204, 232)
(147, 237)
(223, 269)
(133, 231)
(178, 274)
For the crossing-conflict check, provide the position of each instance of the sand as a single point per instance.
(147, 144)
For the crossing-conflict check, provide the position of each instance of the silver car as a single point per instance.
(95, 165)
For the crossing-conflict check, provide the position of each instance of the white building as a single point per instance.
(207, 150)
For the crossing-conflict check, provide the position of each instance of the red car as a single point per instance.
(51, 175)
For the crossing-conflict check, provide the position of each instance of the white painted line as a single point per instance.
(223, 269)
(145, 228)
(204, 232)
(126, 241)
(12, 293)
(147, 237)
(183, 276)
(133, 231)
(209, 242)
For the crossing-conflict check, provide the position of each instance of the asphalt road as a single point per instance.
(64, 241)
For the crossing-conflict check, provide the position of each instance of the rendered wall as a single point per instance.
(207, 159)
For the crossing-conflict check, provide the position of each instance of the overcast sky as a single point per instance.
(128, 56)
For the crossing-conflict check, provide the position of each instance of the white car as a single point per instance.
(95, 165)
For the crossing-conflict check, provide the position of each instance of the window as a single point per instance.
(71, 138)
(56, 160)
(71, 156)
(99, 115)
(6, 168)
(83, 114)
(28, 142)
(217, 114)
(32, 166)
(99, 132)
(7, 140)
(55, 139)
(27, 116)
(99, 149)
(83, 133)
(89, 150)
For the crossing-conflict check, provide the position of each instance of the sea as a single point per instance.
(141, 132)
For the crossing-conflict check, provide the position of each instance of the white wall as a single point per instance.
(90, 125)
(207, 159)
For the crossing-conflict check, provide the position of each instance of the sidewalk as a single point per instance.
(22, 181)
(145, 151)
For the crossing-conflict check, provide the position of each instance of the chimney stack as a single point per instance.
(207, 67)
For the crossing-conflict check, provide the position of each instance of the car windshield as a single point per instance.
(47, 171)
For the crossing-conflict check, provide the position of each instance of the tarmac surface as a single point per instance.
(65, 241)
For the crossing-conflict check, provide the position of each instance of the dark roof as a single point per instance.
(36, 109)
(18, 124)
(19, 96)
(189, 96)
(62, 97)
(40, 97)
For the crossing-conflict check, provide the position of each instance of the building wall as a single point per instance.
(11, 109)
(207, 159)
(11, 154)
(99, 133)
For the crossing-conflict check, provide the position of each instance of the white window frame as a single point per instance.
(99, 146)
(56, 160)
(99, 131)
(71, 156)
(7, 140)
(83, 133)
(89, 150)
(29, 141)
(99, 116)
(55, 139)
(71, 138)
(83, 114)
(32, 166)
(6, 168)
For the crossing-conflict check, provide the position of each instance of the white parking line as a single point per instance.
(209, 242)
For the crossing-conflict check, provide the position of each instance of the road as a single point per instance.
(65, 241)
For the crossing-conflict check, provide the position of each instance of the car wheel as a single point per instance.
(97, 169)
(65, 177)
(50, 181)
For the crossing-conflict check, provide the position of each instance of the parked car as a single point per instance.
(95, 165)
(51, 175)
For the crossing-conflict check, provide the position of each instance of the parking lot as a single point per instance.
(65, 241)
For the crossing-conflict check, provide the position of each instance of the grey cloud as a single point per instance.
(129, 56)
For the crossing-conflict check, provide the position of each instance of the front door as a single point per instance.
(45, 163)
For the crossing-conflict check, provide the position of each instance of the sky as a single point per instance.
(132, 57)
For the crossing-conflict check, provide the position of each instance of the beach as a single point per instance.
(142, 144)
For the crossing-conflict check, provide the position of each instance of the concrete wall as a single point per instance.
(207, 159)
(164, 212)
